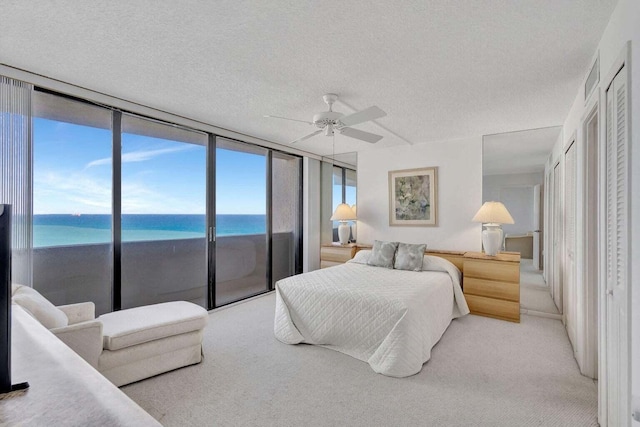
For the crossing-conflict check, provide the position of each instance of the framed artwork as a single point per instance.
(413, 197)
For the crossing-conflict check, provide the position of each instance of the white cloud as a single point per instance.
(138, 156)
(56, 193)
(59, 193)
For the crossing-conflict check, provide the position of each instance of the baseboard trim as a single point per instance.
(541, 314)
(242, 301)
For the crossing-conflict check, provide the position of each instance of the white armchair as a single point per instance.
(126, 345)
(83, 334)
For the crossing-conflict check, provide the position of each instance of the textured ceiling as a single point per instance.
(440, 69)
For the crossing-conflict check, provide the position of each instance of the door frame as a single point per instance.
(537, 231)
(557, 236)
(589, 256)
(547, 253)
(569, 290)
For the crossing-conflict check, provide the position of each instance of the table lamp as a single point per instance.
(344, 214)
(492, 214)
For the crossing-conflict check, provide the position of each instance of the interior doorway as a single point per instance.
(588, 329)
(538, 225)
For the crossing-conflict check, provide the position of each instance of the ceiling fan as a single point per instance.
(331, 121)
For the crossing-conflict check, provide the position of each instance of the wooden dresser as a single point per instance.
(492, 284)
(331, 255)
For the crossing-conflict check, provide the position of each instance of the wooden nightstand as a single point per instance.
(492, 284)
(331, 255)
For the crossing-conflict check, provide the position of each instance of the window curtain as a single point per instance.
(16, 162)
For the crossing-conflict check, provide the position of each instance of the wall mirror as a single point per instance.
(339, 185)
(513, 173)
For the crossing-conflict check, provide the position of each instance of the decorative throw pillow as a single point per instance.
(39, 307)
(409, 257)
(362, 257)
(382, 254)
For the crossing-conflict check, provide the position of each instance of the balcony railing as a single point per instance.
(161, 270)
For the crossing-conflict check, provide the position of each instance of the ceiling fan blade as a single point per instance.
(306, 137)
(365, 115)
(360, 134)
(286, 118)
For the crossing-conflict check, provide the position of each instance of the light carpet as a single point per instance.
(534, 292)
(483, 372)
(530, 276)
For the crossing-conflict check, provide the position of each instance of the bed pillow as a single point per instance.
(362, 257)
(382, 254)
(409, 257)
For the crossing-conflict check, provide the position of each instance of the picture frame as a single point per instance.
(413, 197)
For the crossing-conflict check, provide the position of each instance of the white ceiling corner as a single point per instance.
(440, 69)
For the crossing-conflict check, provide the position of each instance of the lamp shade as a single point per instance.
(493, 213)
(343, 213)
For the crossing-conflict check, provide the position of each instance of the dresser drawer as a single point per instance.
(500, 309)
(492, 289)
(492, 270)
(336, 254)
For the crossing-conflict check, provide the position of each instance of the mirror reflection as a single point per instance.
(513, 174)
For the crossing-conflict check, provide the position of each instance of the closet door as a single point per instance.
(617, 250)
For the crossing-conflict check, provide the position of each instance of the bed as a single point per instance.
(388, 318)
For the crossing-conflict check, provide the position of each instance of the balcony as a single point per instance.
(161, 270)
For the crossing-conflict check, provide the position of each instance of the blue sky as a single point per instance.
(72, 174)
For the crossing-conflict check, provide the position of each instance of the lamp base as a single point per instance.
(492, 239)
(343, 233)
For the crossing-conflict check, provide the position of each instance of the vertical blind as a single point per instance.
(16, 162)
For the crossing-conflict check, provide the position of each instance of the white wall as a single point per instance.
(459, 165)
(491, 184)
(623, 25)
(516, 192)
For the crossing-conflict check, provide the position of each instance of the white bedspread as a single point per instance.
(388, 318)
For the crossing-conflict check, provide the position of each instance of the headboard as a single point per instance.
(454, 257)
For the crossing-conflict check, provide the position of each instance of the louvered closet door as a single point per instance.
(617, 250)
(569, 282)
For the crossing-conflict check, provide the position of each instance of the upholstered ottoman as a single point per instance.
(145, 341)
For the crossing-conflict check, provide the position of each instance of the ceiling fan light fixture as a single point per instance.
(329, 130)
(329, 99)
(330, 121)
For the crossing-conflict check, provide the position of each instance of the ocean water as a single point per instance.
(67, 229)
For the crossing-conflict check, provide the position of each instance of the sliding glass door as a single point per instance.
(130, 211)
(164, 245)
(241, 221)
(72, 192)
(286, 218)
